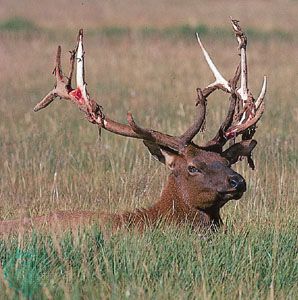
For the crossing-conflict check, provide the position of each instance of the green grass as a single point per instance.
(155, 265)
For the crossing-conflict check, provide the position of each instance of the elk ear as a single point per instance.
(243, 148)
(164, 154)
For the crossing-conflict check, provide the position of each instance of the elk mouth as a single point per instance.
(235, 193)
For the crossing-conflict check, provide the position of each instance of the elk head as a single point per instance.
(203, 173)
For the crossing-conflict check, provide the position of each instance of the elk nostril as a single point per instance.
(237, 182)
(233, 183)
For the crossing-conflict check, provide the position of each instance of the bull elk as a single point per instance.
(201, 179)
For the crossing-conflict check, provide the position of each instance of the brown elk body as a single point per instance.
(201, 179)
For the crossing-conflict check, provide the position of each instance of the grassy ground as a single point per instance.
(144, 59)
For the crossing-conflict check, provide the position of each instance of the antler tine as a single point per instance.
(220, 81)
(58, 70)
(233, 82)
(261, 97)
(53, 93)
(71, 63)
(220, 138)
(81, 84)
(240, 128)
(242, 42)
(46, 100)
(154, 136)
(190, 133)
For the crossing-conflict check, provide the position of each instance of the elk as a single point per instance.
(201, 179)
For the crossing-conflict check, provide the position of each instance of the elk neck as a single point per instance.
(172, 207)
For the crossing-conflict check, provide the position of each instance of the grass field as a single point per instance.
(142, 56)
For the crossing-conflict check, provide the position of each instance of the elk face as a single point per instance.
(210, 174)
(205, 178)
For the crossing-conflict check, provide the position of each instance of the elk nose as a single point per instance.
(237, 182)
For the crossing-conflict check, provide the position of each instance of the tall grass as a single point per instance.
(248, 264)
(53, 160)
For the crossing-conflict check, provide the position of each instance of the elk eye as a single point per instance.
(193, 170)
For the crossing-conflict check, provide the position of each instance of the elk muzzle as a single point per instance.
(235, 188)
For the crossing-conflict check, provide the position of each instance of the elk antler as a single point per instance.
(244, 112)
(94, 112)
(242, 116)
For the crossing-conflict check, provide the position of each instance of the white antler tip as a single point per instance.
(219, 79)
(264, 87)
(80, 61)
(199, 41)
(80, 33)
(260, 99)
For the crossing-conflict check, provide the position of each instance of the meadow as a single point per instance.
(143, 57)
